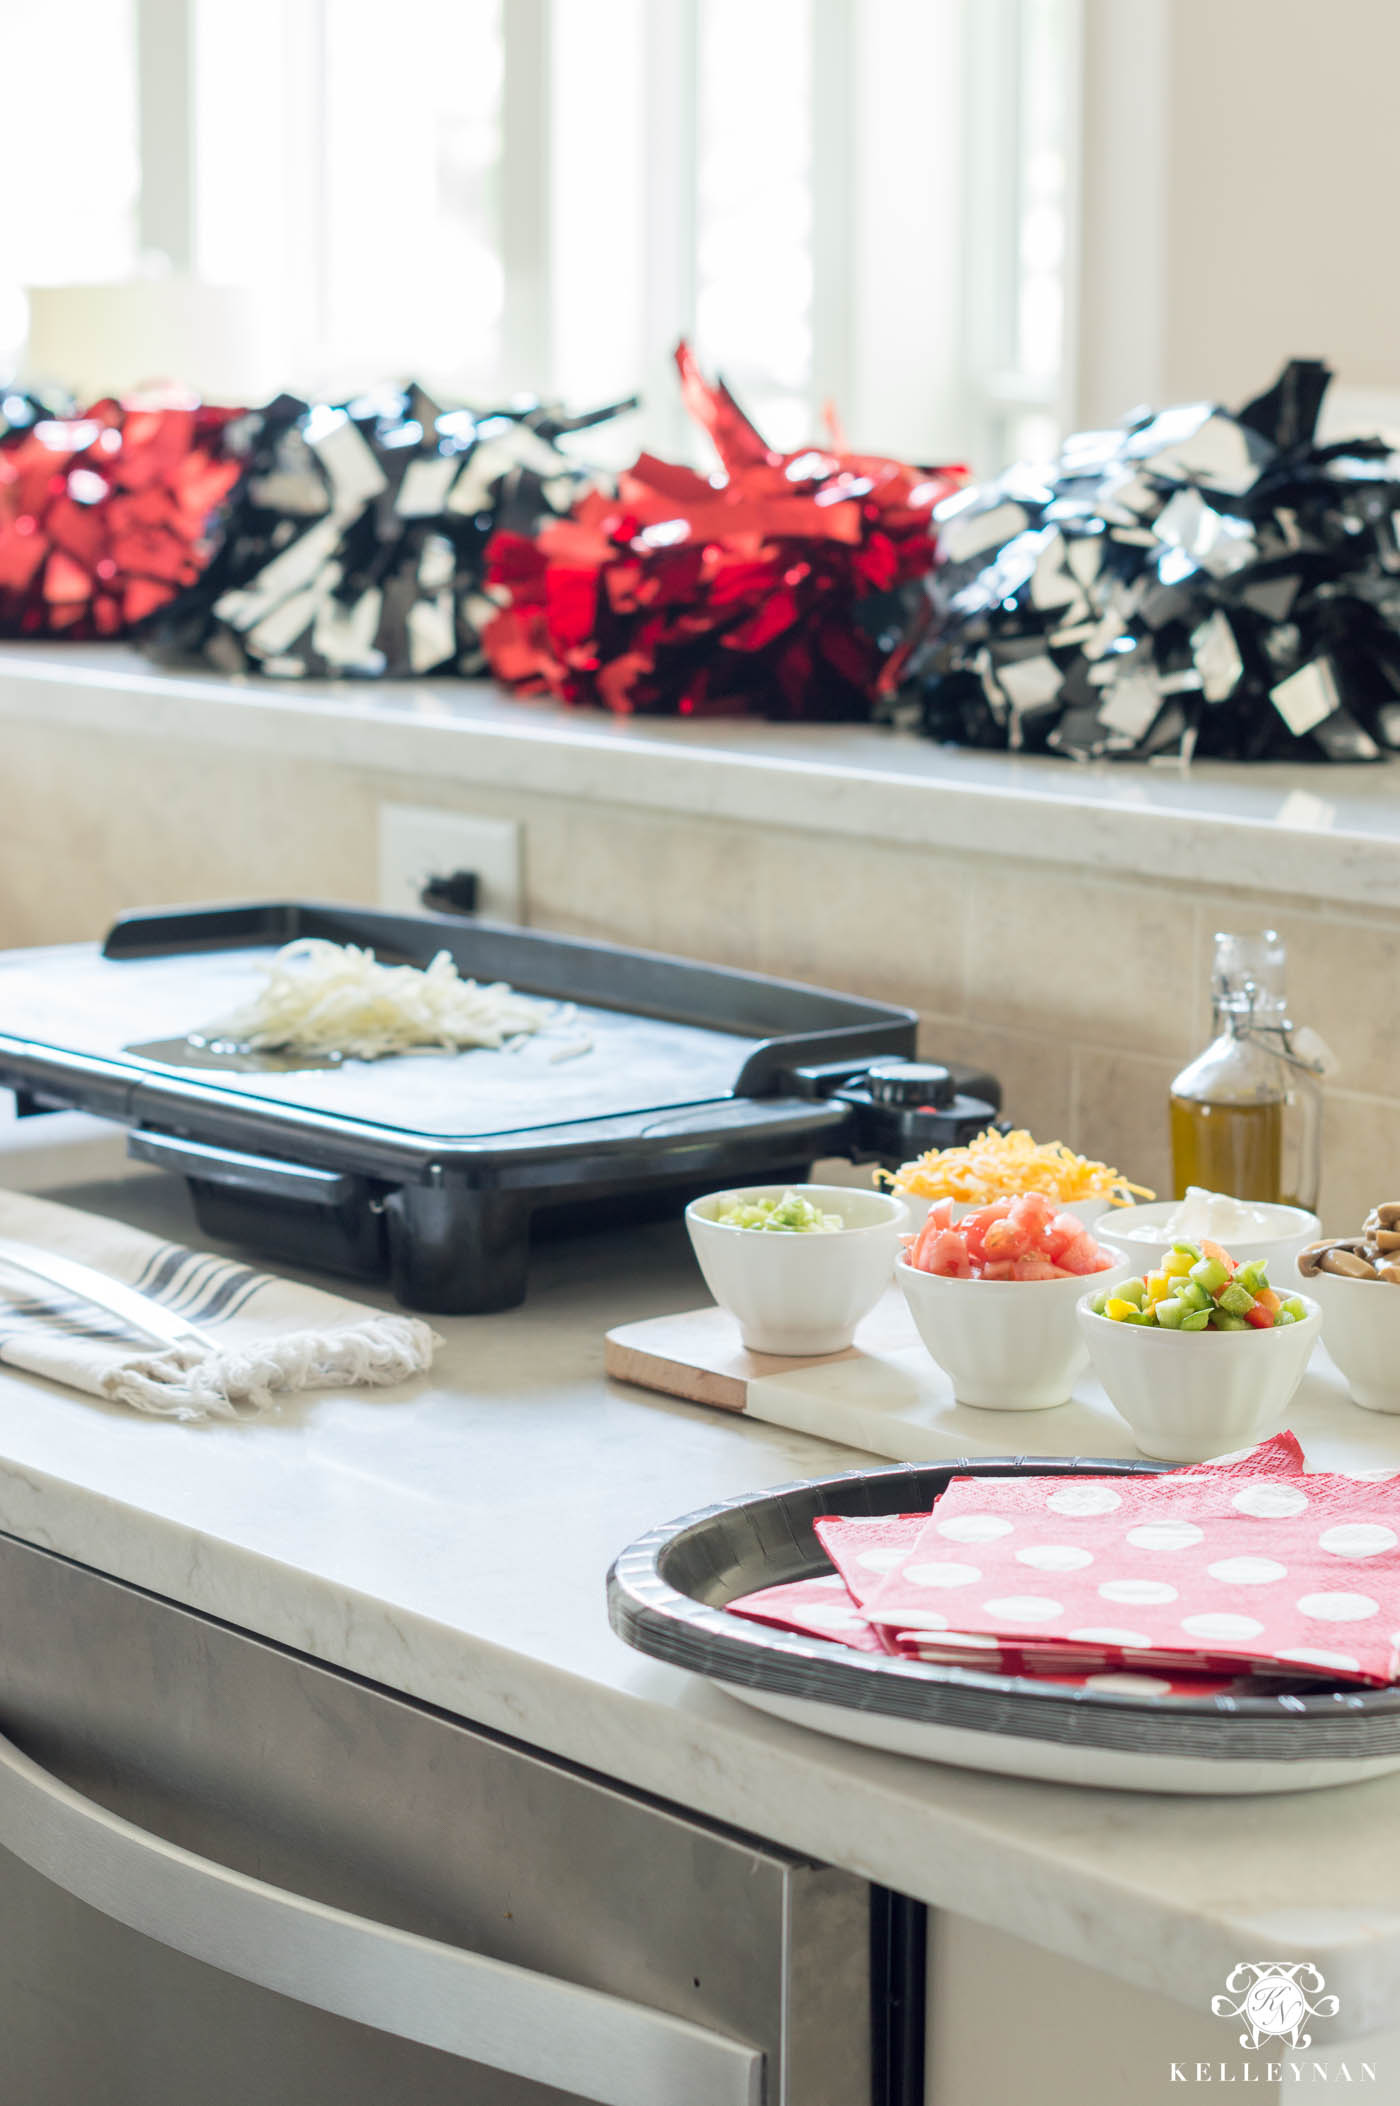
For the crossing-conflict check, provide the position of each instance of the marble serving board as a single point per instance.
(884, 1395)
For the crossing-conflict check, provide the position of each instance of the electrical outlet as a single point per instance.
(417, 843)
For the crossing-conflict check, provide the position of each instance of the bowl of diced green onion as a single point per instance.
(1201, 1355)
(797, 1269)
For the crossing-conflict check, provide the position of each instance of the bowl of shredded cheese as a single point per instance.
(999, 1165)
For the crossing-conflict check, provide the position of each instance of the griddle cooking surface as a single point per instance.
(112, 1008)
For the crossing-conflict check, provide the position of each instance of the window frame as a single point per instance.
(963, 209)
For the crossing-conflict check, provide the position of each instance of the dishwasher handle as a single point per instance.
(584, 2042)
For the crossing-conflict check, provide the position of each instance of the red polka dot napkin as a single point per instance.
(1279, 1456)
(822, 1608)
(1206, 1570)
(816, 1608)
(866, 1551)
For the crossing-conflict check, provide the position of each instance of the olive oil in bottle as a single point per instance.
(1235, 1148)
(1245, 1114)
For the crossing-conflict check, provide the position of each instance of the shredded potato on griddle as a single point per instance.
(332, 1000)
(1001, 1165)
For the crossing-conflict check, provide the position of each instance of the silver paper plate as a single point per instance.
(666, 1596)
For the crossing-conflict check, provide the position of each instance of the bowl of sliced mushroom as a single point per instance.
(1356, 1282)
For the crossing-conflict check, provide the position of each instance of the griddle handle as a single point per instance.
(264, 1174)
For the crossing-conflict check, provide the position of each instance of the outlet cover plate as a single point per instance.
(420, 842)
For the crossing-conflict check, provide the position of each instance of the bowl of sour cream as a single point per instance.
(1248, 1228)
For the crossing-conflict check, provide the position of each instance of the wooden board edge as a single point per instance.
(695, 1385)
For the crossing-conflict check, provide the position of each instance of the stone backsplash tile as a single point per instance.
(876, 920)
(1112, 964)
(629, 877)
(879, 920)
(88, 829)
(1035, 1073)
(1361, 1158)
(1118, 1113)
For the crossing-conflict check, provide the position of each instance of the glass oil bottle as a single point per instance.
(1246, 1114)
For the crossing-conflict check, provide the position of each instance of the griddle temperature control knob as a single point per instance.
(911, 1084)
(900, 1108)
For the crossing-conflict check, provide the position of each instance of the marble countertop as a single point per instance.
(450, 1540)
(1333, 832)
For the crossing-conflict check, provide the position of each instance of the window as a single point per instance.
(1020, 78)
(69, 165)
(753, 207)
(864, 201)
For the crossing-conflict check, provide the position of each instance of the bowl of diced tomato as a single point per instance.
(994, 1294)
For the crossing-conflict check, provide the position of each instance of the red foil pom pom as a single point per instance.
(104, 517)
(771, 589)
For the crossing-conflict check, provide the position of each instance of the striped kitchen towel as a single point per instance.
(266, 1337)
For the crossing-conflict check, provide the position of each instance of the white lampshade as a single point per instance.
(109, 339)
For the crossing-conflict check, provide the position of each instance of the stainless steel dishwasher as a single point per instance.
(228, 1874)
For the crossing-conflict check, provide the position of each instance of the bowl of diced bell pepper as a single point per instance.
(1201, 1355)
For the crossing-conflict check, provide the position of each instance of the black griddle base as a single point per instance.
(445, 1251)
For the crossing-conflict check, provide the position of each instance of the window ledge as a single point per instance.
(1331, 832)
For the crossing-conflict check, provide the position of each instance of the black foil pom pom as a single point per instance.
(354, 542)
(1196, 581)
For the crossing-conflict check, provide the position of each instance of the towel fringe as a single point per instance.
(229, 1383)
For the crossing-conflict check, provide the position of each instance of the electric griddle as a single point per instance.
(430, 1169)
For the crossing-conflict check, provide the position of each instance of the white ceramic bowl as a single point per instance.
(1088, 1210)
(1006, 1345)
(1291, 1229)
(1191, 1395)
(1361, 1327)
(799, 1293)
